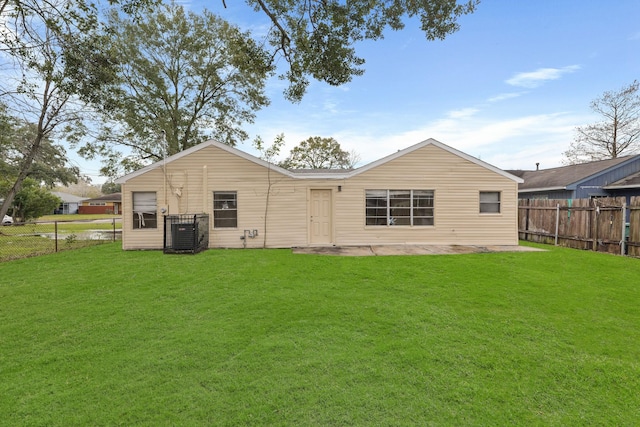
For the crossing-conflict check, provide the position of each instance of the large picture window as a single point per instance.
(225, 209)
(489, 202)
(399, 207)
(145, 210)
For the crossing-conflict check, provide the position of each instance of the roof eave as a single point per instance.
(332, 176)
(621, 187)
(541, 189)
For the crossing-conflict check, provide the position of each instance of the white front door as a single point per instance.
(320, 217)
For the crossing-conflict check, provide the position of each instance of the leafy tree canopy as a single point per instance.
(319, 153)
(318, 38)
(33, 201)
(110, 188)
(182, 78)
(616, 134)
(50, 165)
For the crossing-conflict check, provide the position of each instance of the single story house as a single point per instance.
(428, 193)
(107, 204)
(603, 178)
(70, 203)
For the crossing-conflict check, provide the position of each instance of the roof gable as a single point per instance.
(196, 148)
(440, 145)
(318, 173)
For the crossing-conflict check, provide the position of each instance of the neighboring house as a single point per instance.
(605, 178)
(107, 204)
(429, 193)
(70, 203)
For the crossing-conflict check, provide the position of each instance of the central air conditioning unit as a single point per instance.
(186, 233)
(183, 236)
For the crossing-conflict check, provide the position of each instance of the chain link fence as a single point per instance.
(22, 240)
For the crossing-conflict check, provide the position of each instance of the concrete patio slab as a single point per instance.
(391, 250)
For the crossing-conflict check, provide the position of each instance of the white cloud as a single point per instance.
(536, 78)
(462, 113)
(505, 96)
(508, 143)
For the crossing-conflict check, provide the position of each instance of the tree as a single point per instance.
(617, 134)
(184, 78)
(317, 38)
(37, 90)
(49, 165)
(33, 201)
(319, 153)
(110, 187)
(45, 49)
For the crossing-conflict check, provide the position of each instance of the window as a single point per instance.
(399, 207)
(489, 202)
(225, 209)
(97, 204)
(144, 210)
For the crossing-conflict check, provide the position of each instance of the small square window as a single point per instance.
(225, 209)
(489, 202)
(145, 213)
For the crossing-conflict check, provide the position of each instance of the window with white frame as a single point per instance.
(489, 202)
(225, 209)
(399, 207)
(145, 211)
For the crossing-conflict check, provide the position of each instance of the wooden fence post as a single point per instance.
(526, 224)
(596, 212)
(557, 221)
(623, 240)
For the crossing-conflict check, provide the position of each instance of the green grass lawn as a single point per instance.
(99, 336)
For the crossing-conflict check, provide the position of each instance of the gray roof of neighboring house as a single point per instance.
(319, 171)
(562, 177)
(631, 181)
(68, 198)
(114, 197)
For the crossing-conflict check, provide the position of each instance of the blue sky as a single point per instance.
(509, 88)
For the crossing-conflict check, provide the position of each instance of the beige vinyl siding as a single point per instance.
(197, 176)
(456, 183)
(149, 238)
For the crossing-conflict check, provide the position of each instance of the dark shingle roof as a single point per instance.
(561, 177)
(631, 181)
(114, 197)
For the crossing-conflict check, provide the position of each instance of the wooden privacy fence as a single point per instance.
(604, 224)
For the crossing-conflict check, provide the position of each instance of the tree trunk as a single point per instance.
(24, 171)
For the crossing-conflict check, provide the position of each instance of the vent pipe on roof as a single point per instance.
(537, 166)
